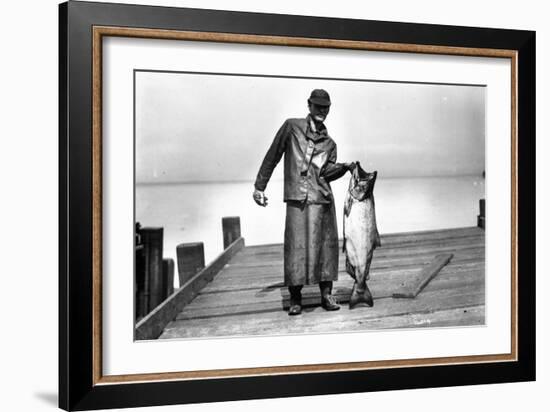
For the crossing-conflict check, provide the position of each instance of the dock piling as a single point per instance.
(139, 283)
(481, 216)
(167, 278)
(190, 260)
(231, 227)
(152, 255)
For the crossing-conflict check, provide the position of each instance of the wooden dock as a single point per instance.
(244, 294)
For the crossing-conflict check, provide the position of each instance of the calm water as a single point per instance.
(192, 212)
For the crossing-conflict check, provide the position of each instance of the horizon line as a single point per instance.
(189, 182)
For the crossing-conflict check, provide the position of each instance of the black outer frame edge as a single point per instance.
(264, 387)
(63, 389)
(203, 20)
(527, 205)
(78, 216)
(76, 356)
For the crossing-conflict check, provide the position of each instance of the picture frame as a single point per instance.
(82, 384)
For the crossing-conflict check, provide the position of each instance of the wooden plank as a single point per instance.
(462, 316)
(381, 290)
(396, 277)
(242, 302)
(377, 267)
(247, 297)
(224, 284)
(379, 258)
(401, 238)
(237, 309)
(467, 316)
(269, 271)
(415, 236)
(466, 243)
(311, 297)
(318, 321)
(429, 302)
(469, 241)
(412, 288)
(385, 250)
(252, 251)
(152, 325)
(406, 243)
(250, 286)
(433, 249)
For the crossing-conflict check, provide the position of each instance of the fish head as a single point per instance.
(361, 184)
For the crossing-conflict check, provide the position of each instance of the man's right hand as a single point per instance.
(351, 166)
(259, 197)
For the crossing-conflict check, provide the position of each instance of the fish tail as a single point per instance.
(360, 296)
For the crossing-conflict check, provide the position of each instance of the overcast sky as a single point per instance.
(198, 127)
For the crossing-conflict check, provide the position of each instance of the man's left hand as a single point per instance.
(259, 197)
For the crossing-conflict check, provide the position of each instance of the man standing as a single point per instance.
(311, 235)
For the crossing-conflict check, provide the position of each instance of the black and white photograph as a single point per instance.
(278, 205)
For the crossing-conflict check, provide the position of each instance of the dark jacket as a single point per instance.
(310, 162)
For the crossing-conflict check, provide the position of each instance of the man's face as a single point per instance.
(318, 113)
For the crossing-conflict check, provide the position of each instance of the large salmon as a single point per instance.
(360, 233)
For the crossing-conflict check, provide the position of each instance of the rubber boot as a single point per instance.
(328, 302)
(295, 300)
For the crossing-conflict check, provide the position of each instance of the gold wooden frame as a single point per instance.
(101, 31)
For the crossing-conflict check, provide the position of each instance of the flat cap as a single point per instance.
(319, 97)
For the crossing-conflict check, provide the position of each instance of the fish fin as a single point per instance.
(349, 268)
(377, 241)
(347, 205)
(344, 233)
